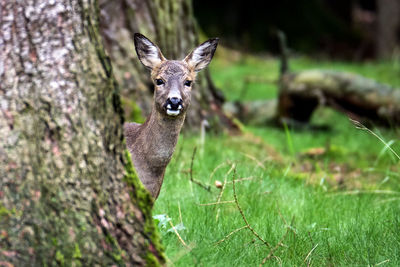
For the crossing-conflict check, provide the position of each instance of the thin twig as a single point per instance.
(278, 259)
(225, 182)
(312, 241)
(241, 179)
(180, 213)
(382, 262)
(178, 235)
(357, 192)
(389, 200)
(289, 226)
(169, 262)
(241, 212)
(215, 170)
(206, 187)
(231, 233)
(217, 203)
(311, 251)
(255, 160)
(272, 250)
(280, 215)
(222, 190)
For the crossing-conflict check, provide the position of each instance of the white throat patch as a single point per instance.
(171, 112)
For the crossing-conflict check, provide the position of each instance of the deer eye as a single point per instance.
(159, 82)
(188, 83)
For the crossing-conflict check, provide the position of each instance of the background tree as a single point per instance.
(65, 196)
(388, 31)
(171, 25)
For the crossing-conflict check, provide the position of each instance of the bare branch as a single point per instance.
(279, 244)
(217, 203)
(204, 186)
(231, 233)
(178, 235)
(241, 212)
(222, 189)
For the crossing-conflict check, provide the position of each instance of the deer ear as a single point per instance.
(149, 54)
(201, 56)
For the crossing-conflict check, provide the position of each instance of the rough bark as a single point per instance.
(68, 195)
(359, 97)
(388, 27)
(171, 25)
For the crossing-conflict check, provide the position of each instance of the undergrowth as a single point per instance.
(306, 197)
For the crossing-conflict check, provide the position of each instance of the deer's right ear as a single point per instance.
(149, 54)
(201, 56)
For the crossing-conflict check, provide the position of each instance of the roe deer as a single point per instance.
(152, 143)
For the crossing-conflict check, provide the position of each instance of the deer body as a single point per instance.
(152, 143)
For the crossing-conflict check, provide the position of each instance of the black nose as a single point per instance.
(175, 102)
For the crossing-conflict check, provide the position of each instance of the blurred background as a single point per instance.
(359, 37)
(340, 29)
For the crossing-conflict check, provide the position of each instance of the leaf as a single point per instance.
(314, 152)
(178, 227)
(162, 220)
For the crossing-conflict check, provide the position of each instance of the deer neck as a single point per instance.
(160, 135)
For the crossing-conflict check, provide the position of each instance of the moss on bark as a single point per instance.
(63, 197)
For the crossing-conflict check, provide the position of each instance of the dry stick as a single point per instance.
(278, 259)
(170, 263)
(180, 213)
(382, 262)
(280, 215)
(225, 182)
(206, 187)
(231, 233)
(255, 160)
(242, 179)
(359, 192)
(289, 226)
(311, 251)
(222, 190)
(178, 235)
(279, 244)
(217, 203)
(312, 241)
(216, 169)
(388, 200)
(241, 212)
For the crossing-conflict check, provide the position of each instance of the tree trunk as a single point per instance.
(65, 196)
(388, 27)
(361, 98)
(171, 25)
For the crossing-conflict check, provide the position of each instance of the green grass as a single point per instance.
(316, 196)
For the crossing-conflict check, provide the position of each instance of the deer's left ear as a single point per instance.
(201, 56)
(149, 54)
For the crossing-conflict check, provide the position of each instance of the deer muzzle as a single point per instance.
(174, 106)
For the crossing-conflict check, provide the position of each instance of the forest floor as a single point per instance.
(304, 197)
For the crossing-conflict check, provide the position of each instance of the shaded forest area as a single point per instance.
(356, 29)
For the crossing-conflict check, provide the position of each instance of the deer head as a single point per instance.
(173, 79)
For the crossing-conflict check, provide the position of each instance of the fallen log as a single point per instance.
(300, 93)
(362, 99)
(259, 112)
